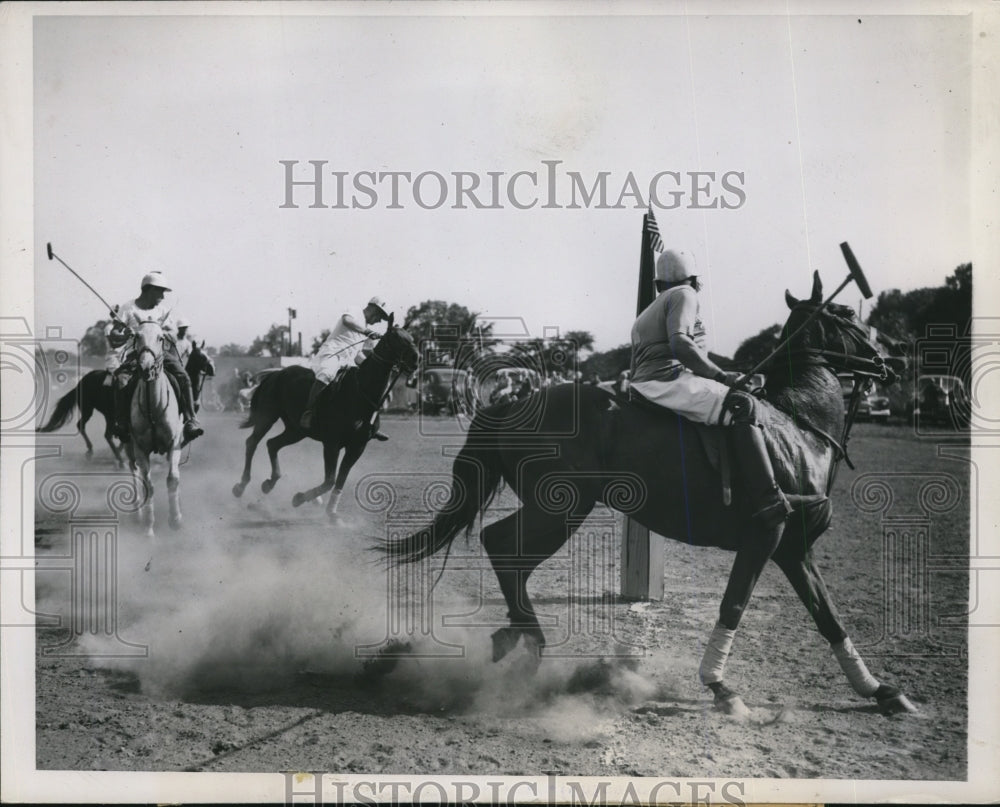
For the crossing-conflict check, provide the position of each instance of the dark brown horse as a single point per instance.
(198, 366)
(93, 392)
(571, 446)
(342, 419)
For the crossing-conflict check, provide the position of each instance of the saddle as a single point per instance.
(710, 438)
(812, 519)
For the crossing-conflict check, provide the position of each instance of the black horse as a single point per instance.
(342, 414)
(94, 391)
(567, 448)
(198, 366)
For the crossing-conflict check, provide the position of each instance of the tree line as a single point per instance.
(450, 334)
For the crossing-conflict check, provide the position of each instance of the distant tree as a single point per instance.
(900, 314)
(756, 348)
(906, 316)
(319, 340)
(232, 349)
(445, 330)
(607, 364)
(273, 343)
(94, 342)
(573, 342)
(211, 351)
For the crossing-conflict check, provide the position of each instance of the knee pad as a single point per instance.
(739, 407)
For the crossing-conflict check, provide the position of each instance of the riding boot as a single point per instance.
(192, 428)
(306, 420)
(123, 404)
(770, 507)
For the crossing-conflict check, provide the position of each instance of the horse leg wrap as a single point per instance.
(334, 501)
(713, 663)
(864, 683)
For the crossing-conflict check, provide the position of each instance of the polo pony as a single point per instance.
(343, 417)
(568, 447)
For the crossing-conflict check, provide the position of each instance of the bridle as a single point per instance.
(157, 366)
(396, 367)
(864, 368)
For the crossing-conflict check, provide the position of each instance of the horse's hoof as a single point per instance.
(176, 523)
(727, 701)
(297, 499)
(267, 485)
(238, 489)
(733, 706)
(504, 640)
(335, 519)
(893, 702)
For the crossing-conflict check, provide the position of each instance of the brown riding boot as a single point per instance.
(770, 507)
(306, 420)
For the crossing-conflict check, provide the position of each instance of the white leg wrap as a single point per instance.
(331, 506)
(714, 661)
(854, 668)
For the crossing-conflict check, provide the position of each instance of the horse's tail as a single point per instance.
(476, 479)
(63, 411)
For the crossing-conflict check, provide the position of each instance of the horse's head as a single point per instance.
(397, 347)
(833, 337)
(149, 338)
(199, 361)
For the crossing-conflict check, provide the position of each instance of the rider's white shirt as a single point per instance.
(133, 316)
(340, 348)
(183, 349)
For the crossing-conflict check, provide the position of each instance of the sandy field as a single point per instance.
(263, 637)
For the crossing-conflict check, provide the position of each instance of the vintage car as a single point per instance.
(873, 406)
(444, 389)
(940, 399)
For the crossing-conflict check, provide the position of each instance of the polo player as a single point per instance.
(183, 341)
(149, 306)
(343, 347)
(671, 368)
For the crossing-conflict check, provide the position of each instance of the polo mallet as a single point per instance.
(111, 310)
(854, 273)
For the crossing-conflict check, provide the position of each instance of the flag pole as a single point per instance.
(642, 552)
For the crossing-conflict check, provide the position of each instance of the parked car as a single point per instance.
(940, 399)
(873, 406)
(444, 389)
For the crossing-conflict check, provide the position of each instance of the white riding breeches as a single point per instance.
(696, 398)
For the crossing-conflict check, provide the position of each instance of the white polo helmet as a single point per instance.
(675, 265)
(380, 304)
(182, 323)
(155, 279)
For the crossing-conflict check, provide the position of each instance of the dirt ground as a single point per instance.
(248, 644)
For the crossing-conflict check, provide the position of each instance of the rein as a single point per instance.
(396, 371)
(862, 368)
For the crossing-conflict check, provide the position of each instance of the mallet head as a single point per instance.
(48, 248)
(855, 268)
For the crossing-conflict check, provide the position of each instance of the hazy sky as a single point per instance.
(158, 140)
